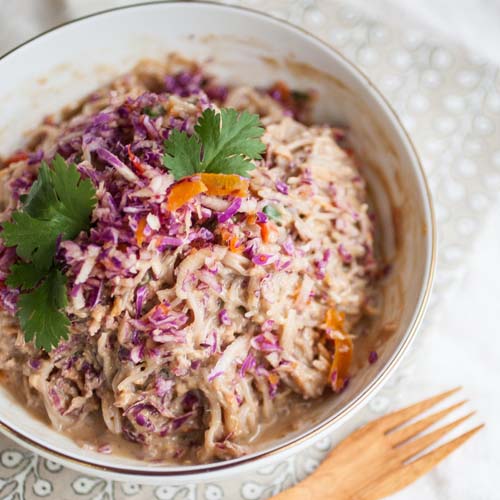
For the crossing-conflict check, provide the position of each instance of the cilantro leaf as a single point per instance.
(77, 196)
(41, 314)
(42, 197)
(182, 154)
(236, 139)
(24, 275)
(224, 142)
(34, 239)
(58, 207)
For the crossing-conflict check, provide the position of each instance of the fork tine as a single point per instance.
(402, 477)
(393, 420)
(411, 448)
(404, 433)
(429, 460)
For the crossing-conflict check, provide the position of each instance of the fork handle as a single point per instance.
(294, 493)
(321, 485)
(303, 492)
(298, 492)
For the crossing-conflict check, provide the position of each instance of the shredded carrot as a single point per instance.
(212, 184)
(231, 241)
(20, 156)
(164, 308)
(283, 89)
(339, 370)
(161, 307)
(266, 228)
(117, 307)
(252, 218)
(341, 363)
(264, 231)
(182, 191)
(274, 378)
(235, 245)
(136, 162)
(225, 184)
(335, 319)
(225, 234)
(139, 233)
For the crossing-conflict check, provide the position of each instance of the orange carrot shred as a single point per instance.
(339, 370)
(136, 162)
(264, 231)
(335, 319)
(231, 241)
(266, 228)
(225, 184)
(212, 184)
(252, 218)
(283, 89)
(225, 234)
(183, 191)
(20, 156)
(160, 307)
(139, 233)
(235, 245)
(164, 308)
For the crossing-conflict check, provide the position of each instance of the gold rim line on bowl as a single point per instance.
(372, 387)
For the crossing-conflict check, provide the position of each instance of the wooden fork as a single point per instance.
(379, 459)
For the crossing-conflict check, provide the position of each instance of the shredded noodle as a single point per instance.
(190, 329)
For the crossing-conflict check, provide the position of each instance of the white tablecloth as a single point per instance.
(410, 48)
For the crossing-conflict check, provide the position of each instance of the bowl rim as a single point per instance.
(381, 377)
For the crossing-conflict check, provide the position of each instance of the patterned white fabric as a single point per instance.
(448, 98)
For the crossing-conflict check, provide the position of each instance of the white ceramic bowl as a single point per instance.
(64, 64)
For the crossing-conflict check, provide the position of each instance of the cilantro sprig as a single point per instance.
(41, 311)
(58, 207)
(223, 143)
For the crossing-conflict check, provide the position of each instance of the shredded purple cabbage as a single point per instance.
(344, 254)
(281, 187)
(230, 211)
(224, 318)
(261, 217)
(248, 364)
(372, 357)
(266, 343)
(262, 259)
(140, 295)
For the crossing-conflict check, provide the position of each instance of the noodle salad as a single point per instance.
(179, 259)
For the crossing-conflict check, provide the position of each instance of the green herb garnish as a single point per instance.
(41, 311)
(153, 112)
(215, 147)
(58, 207)
(272, 212)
